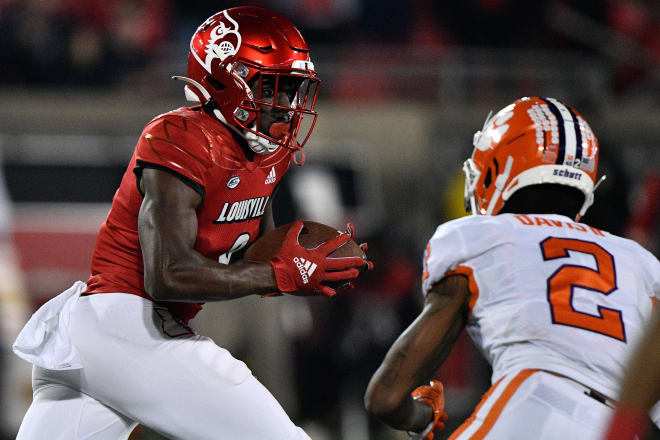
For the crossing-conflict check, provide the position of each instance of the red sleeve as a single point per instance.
(176, 145)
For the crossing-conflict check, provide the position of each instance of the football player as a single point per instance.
(554, 305)
(116, 351)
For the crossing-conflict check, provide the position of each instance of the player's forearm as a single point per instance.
(199, 279)
(388, 394)
(407, 415)
(173, 269)
(416, 355)
(406, 366)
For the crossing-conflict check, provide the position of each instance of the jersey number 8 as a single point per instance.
(240, 242)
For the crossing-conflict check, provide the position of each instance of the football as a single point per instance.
(312, 235)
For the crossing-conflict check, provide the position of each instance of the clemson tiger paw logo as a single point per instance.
(493, 130)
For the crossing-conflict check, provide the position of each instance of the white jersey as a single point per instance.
(548, 293)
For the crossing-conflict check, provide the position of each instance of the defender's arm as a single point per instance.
(417, 354)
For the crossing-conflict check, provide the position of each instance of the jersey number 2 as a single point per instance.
(569, 276)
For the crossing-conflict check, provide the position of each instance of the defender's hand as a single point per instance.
(432, 395)
(305, 270)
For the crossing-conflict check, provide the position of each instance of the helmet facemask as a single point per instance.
(279, 111)
(267, 119)
(472, 175)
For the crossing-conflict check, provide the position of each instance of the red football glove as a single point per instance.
(350, 230)
(434, 396)
(304, 270)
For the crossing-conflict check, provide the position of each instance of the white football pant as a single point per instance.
(533, 404)
(142, 366)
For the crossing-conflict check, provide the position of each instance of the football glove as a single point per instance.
(350, 230)
(302, 270)
(432, 395)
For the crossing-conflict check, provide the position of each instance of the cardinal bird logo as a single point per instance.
(224, 40)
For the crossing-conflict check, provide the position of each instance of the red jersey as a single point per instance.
(202, 152)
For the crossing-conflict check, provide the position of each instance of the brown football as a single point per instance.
(312, 235)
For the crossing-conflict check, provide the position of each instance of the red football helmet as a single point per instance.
(232, 55)
(532, 141)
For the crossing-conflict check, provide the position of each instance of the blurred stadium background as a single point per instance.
(405, 85)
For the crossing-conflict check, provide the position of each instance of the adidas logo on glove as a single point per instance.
(305, 267)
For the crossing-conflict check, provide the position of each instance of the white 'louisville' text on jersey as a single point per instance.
(548, 293)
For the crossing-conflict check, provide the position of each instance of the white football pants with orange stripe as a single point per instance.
(139, 364)
(533, 404)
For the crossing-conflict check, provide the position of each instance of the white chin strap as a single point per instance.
(258, 144)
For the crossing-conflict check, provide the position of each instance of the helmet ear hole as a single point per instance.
(217, 85)
(488, 179)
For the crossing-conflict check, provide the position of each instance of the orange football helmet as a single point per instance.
(531, 141)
